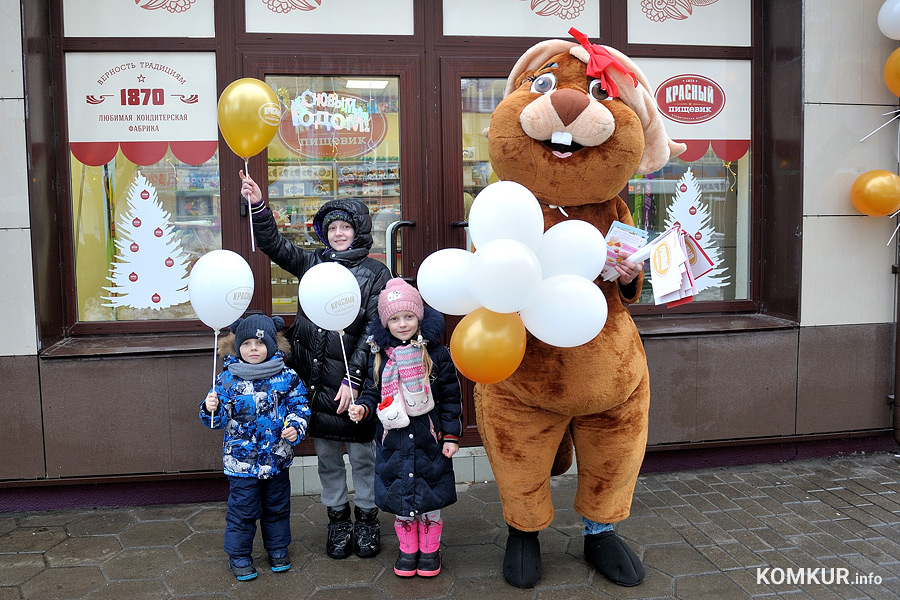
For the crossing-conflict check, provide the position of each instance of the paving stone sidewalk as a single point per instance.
(824, 528)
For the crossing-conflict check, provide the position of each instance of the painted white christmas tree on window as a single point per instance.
(692, 213)
(150, 268)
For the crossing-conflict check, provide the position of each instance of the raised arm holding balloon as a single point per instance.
(249, 115)
(330, 353)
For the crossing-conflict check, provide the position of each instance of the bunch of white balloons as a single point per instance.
(545, 277)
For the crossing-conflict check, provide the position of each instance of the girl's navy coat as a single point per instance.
(316, 354)
(412, 476)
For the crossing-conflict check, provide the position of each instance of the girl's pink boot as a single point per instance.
(408, 558)
(429, 545)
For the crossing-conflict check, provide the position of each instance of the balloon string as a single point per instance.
(250, 211)
(346, 365)
(893, 234)
(897, 116)
(215, 345)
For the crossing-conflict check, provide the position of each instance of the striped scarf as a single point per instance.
(403, 363)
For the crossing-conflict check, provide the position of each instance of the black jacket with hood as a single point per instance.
(316, 352)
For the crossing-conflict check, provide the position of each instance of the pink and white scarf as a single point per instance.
(403, 363)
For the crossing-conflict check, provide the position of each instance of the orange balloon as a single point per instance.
(249, 116)
(892, 72)
(488, 347)
(876, 193)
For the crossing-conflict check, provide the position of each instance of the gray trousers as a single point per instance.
(333, 472)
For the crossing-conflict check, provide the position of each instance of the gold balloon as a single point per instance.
(249, 116)
(876, 193)
(488, 347)
(892, 72)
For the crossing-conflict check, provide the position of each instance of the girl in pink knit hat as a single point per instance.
(413, 391)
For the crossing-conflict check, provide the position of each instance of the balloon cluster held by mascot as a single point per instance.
(576, 123)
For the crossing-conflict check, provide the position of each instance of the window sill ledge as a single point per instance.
(681, 325)
(181, 343)
(124, 345)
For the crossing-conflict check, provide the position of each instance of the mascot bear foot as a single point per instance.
(522, 561)
(612, 558)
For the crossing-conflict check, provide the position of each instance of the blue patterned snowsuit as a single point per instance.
(255, 457)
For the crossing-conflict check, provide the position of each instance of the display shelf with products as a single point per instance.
(297, 191)
(475, 175)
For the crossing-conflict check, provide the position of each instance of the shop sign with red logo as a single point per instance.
(332, 125)
(690, 98)
(142, 105)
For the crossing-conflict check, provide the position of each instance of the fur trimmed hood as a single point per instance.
(225, 346)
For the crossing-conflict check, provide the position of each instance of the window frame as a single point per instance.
(775, 163)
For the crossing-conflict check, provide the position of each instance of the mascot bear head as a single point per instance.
(577, 121)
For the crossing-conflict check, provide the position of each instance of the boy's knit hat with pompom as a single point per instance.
(257, 326)
(397, 296)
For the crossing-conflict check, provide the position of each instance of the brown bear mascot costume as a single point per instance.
(576, 123)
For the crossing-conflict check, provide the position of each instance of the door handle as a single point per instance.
(459, 224)
(391, 233)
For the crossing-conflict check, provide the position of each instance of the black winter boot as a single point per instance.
(366, 532)
(522, 562)
(340, 532)
(613, 558)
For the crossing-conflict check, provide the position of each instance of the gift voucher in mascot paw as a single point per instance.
(576, 123)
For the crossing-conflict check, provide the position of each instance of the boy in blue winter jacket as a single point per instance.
(262, 405)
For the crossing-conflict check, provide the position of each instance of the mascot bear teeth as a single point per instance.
(577, 121)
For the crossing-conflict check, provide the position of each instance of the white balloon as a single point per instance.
(329, 295)
(220, 288)
(889, 19)
(443, 281)
(504, 274)
(506, 210)
(566, 311)
(572, 247)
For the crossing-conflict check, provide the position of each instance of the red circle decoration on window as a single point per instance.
(95, 154)
(136, 222)
(145, 195)
(727, 150)
(155, 298)
(730, 150)
(158, 232)
(144, 153)
(696, 149)
(133, 276)
(169, 262)
(135, 247)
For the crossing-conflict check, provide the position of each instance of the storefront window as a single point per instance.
(479, 99)
(708, 194)
(709, 198)
(142, 141)
(137, 231)
(339, 138)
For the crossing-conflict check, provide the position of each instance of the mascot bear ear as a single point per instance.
(658, 147)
